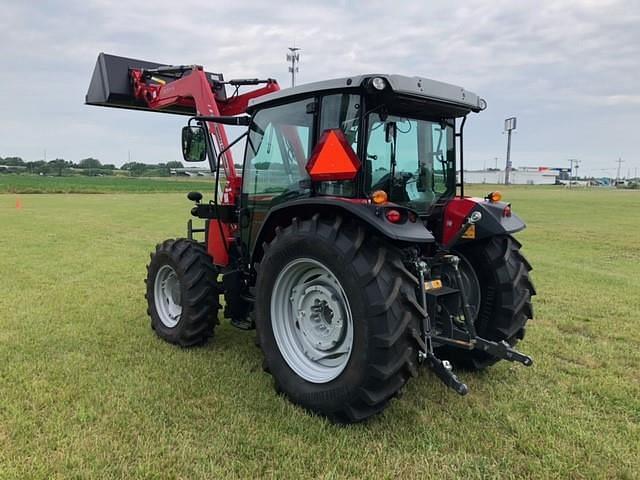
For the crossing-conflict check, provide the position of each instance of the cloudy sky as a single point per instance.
(569, 71)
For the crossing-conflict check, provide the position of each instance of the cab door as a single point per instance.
(277, 150)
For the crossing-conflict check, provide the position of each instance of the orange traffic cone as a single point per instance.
(18, 203)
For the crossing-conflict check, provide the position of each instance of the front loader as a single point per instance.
(346, 239)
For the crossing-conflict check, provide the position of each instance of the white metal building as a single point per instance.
(516, 177)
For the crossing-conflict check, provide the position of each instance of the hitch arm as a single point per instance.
(442, 368)
(502, 350)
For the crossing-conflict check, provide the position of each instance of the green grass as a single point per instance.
(23, 184)
(87, 390)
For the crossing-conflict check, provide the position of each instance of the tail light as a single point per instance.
(393, 215)
(507, 211)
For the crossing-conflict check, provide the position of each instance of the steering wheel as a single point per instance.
(399, 183)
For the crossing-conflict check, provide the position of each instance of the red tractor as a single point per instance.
(344, 238)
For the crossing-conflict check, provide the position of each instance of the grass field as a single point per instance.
(87, 390)
(43, 184)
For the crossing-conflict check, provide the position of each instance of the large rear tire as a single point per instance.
(505, 297)
(182, 292)
(334, 306)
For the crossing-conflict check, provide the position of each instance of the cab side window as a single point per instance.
(341, 111)
(277, 150)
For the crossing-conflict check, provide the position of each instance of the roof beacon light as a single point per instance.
(379, 83)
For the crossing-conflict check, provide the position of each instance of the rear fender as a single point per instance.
(369, 214)
(494, 220)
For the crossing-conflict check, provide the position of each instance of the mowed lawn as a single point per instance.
(21, 184)
(88, 391)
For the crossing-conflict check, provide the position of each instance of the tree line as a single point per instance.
(87, 166)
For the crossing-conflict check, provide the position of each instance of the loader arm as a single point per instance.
(134, 84)
(194, 90)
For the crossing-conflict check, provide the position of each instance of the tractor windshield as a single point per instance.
(411, 159)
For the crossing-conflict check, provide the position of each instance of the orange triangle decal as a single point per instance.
(333, 158)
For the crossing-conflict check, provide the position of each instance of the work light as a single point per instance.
(378, 83)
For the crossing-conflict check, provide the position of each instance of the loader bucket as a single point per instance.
(111, 84)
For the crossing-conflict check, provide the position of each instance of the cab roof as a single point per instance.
(417, 87)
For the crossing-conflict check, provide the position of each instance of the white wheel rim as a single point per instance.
(167, 296)
(311, 320)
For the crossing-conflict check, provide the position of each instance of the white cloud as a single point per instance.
(563, 68)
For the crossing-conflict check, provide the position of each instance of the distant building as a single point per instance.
(12, 168)
(520, 176)
(191, 172)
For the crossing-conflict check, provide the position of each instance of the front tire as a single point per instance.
(362, 300)
(182, 292)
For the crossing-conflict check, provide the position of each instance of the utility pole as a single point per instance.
(509, 126)
(620, 162)
(571, 162)
(294, 58)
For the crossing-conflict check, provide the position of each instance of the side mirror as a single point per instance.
(390, 132)
(194, 144)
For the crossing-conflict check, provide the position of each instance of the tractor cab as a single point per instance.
(390, 133)
(385, 137)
